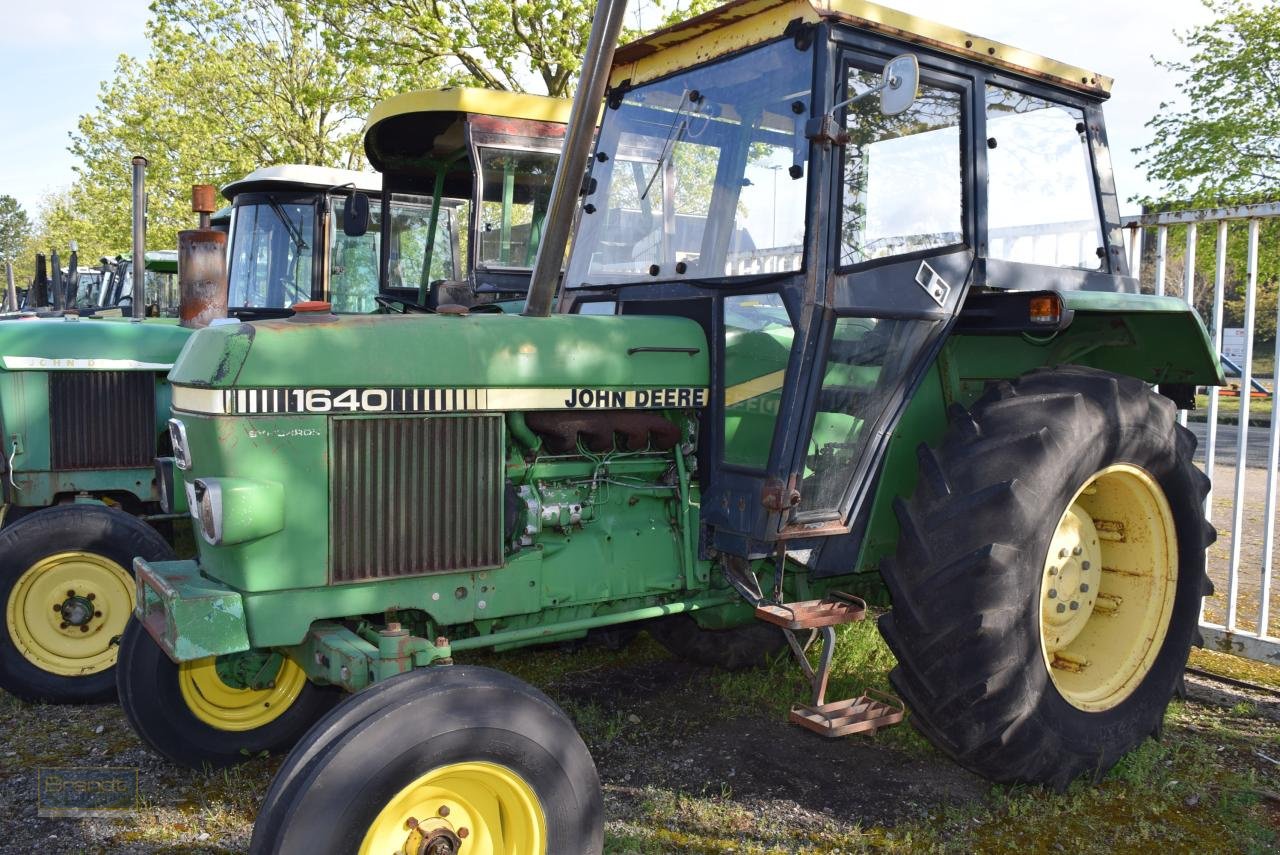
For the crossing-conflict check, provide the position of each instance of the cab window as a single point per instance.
(902, 183)
(1041, 204)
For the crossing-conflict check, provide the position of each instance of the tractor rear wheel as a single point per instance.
(748, 646)
(451, 758)
(217, 711)
(1048, 577)
(66, 581)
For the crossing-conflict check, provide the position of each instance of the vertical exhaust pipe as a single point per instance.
(139, 295)
(10, 290)
(202, 265)
(56, 284)
(605, 28)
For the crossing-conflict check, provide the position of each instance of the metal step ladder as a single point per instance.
(866, 713)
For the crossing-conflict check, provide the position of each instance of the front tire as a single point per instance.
(66, 579)
(468, 753)
(194, 715)
(1048, 578)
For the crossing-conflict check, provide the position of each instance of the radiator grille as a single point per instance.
(414, 495)
(102, 419)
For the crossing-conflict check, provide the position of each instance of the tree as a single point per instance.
(227, 88)
(514, 45)
(1224, 143)
(15, 229)
(1222, 147)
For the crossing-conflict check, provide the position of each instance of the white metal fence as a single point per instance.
(1237, 619)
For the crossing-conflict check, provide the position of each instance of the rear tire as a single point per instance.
(187, 715)
(998, 670)
(457, 736)
(751, 645)
(66, 581)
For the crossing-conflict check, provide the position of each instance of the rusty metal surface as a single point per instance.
(834, 609)
(202, 277)
(635, 431)
(868, 712)
(410, 496)
(102, 419)
(204, 198)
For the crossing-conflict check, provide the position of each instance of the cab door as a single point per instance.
(897, 238)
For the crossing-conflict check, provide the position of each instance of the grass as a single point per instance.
(1201, 788)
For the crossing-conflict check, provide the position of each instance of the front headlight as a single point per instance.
(236, 510)
(178, 439)
(206, 508)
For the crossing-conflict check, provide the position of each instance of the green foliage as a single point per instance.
(1222, 147)
(515, 45)
(1225, 141)
(228, 87)
(15, 230)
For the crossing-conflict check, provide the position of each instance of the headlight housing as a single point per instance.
(235, 510)
(178, 439)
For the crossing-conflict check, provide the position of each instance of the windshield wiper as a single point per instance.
(294, 232)
(690, 96)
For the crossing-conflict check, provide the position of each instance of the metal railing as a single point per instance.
(1237, 619)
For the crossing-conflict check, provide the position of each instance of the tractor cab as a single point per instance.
(287, 244)
(827, 188)
(115, 286)
(496, 150)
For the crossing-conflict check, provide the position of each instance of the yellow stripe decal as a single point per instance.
(754, 388)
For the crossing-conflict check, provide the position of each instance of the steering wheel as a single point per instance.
(405, 307)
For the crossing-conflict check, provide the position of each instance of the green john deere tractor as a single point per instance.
(84, 402)
(83, 405)
(846, 318)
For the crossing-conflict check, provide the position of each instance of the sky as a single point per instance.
(55, 53)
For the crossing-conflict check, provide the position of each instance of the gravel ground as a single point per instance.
(680, 764)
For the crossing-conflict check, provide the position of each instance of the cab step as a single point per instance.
(866, 713)
(832, 610)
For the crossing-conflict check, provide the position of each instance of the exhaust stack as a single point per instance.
(202, 265)
(10, 290)
(138, 294)
(605, 28)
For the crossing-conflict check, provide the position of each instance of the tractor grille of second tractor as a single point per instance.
(414, 495)
(102, 419)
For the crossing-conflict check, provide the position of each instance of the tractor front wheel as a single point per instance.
(449, 759)
(216, 711)
(66, 581)
(1049, 574)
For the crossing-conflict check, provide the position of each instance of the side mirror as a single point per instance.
(901, 82)
(898, 86)
(355, 215)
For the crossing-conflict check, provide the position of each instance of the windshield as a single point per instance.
(701, 174)
(270, 264)
(516, 186)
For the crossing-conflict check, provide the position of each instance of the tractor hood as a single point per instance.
(61, 344)
(473, 351)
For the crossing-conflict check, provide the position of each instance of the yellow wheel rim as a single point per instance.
(1107, 590)
(235, 708)
(477, 808)
(67, 611)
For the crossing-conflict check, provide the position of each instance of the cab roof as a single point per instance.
(428, 124)
(742, 23)
(292, 176)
